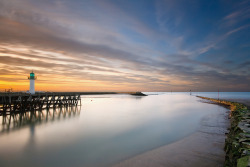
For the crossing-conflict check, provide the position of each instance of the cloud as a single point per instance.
(240, 13)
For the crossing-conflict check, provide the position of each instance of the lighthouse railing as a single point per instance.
(32, 78)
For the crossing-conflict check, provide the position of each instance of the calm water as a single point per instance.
(106, 129)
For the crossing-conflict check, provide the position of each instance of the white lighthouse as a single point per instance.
(32, 79)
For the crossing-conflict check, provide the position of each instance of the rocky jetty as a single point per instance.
(138, 94)
(237, 144)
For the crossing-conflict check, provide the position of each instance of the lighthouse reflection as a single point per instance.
(18, 121)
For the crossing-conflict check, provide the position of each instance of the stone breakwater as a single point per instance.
(237, 144)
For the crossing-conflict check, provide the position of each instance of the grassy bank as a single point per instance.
(237, 144)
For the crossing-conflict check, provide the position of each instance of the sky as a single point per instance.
(125, 45)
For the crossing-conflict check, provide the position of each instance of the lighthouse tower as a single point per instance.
(32, 79)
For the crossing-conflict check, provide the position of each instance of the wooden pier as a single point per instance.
(21, 102)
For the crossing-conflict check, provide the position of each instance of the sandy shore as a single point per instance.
(201, 149)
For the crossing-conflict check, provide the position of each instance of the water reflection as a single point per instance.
(31, 118)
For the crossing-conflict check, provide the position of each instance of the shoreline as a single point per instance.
(237, 144)
(202, 148)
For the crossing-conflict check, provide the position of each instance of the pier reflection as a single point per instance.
(17, 121)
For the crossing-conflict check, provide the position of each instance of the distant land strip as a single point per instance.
(79, 93)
